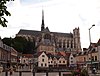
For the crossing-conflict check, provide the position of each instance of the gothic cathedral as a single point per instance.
(52, 42)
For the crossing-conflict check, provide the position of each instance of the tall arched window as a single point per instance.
(71, 44)
(59, 43)
(64, 44)
(67, 43)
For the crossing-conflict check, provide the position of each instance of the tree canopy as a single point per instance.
(4, 12)
(20, 44)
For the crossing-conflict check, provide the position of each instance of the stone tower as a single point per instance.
(76, 39)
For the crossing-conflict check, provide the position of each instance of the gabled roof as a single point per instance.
(28, 55)
(63, 34)
(98, 43)
(29, 32)
(39, 53)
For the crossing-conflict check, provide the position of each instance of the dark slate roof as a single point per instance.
(38, 33)
(50, 55)
(59, 34)
(29, 32)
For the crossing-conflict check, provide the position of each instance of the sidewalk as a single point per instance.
(17, 74)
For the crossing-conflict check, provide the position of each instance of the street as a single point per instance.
(30, 74)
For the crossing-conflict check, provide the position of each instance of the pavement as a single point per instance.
(36, 74)
(44, 74)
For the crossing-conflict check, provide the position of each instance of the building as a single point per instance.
(58, 60)
(8, 55)
(52, 42)
(43, 60)
(89, 57)
(72, 61)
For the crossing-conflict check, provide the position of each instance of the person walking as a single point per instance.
(11, 70)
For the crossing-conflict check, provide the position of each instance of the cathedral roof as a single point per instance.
(59, 34)
(38, 33)
(29, 32)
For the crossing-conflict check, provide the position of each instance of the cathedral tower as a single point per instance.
(42, 25)
(76, 39)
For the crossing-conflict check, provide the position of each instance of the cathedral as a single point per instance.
(52, 42)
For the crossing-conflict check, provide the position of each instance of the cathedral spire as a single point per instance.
(42, 25)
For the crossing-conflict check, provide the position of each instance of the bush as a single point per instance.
(84, 72)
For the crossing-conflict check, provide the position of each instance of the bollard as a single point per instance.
(20, 73)
(6, 73)
(59, 73)
(33, 73)
(46, 73)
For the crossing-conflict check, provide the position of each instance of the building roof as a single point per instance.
(27, 55)
(38, 33)
(29, 32)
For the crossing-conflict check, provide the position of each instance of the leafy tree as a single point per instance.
(21, 44)
(3, 12)
(7, 41)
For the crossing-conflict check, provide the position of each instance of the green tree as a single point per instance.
(84, 72)
(21, 44)
(7, 41)
(4, 12)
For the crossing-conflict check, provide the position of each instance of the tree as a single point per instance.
(3, 12)
(21, 44)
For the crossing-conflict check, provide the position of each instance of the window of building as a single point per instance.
(71, 57)
(41, 64)
(45, 64)
(64, 44)
(71, 61)
(71, 44)
(43, 55)
(42, 60)
(84, 59)
(60, 43)
(59, 61)
(95, 58)
(63, 61)
(67, 43)
(24, 61)
(92, 58)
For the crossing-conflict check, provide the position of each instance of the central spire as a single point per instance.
(42, 25)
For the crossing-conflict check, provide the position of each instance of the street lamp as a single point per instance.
(90, 44)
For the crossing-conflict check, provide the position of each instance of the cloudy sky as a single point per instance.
(60, 16)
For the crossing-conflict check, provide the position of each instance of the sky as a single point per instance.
(59, 16)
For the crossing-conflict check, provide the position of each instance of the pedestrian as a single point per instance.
(11, 70)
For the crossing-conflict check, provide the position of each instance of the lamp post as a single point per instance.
(90, 44)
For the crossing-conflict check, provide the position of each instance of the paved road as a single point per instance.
(36, 74)
(41, 74)
(30, 74)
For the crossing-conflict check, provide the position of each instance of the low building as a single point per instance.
(53, 60)
(43, 60)
(4, 54)
(26, 61)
